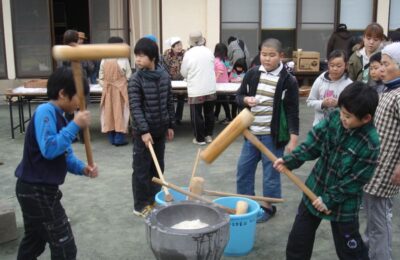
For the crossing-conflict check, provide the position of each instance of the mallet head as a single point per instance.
(90, 51)
(241, 122)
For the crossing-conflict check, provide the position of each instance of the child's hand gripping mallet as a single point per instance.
(78, 53)
(167, 195)
(237, 127)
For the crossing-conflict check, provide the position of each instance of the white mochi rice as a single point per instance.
(190, 224)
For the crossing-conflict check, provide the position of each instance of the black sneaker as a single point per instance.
(266, 214)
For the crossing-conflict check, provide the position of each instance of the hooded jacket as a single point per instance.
(324, 87)
(356, 67)
(150, 101)
(342, 40)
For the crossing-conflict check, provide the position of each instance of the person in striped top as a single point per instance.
(346, 145)
(272, 95)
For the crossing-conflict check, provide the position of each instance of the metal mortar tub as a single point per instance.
(206, 243)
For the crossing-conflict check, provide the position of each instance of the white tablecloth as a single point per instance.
(96, 88)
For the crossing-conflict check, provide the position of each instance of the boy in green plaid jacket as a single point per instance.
(347, 145)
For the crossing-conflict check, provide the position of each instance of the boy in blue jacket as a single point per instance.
(46, 159)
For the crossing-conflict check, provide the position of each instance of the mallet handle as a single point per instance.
(257, 143)
(168, 195)
(196, 162)
(90, 51)
(228, 194)
(191, 194)
(77, 72)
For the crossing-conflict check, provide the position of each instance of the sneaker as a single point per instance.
(144, 212)
(208, 139)
(121, 144)
(199, 143)
(266, 214)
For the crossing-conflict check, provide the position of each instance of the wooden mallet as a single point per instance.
(77, 53)
(237, 127)
(197, 186)
(229, 194)
(167, 195)
(191, 194)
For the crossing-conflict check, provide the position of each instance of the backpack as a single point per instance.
(241, 45)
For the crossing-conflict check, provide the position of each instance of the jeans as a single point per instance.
(346, 235)
(45, 221)
(247, 165)
(144, 190)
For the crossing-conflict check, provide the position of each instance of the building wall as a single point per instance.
(8, 39)
(178, 18)
(382, 16)
(181, 17)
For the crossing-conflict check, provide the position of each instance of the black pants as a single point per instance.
(45, 221)
(180, 103)
(202, 126)
(144, 190)
(224, 102)
(234, 105)
(348, 242)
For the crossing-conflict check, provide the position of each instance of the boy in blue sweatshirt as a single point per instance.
(46, 159)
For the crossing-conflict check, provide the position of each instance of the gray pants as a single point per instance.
(378, 233)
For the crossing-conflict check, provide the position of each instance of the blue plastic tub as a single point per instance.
(160, 197)
(243, 227)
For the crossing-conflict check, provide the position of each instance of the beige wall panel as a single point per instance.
(8, 39)
(181, 17)
(382, 16)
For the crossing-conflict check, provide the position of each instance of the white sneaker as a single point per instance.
(208, 139)
(199, 143)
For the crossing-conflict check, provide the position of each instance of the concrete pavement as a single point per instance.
(101, 209)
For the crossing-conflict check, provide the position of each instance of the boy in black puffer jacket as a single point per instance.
(152, 111)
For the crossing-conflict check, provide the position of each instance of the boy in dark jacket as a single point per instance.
(347, 147)
(272, 95)
(47, 157)
(152, 111)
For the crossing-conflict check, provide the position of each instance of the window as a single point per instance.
(315, 25)
(303, 24)
(108, 18)
(363, 9)
(278, 20)
(32, 38)
(394, 16)
(241, 19)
